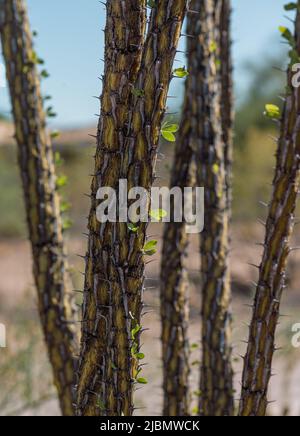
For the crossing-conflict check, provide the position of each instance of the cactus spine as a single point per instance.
(272, 272)
(126, 148)
(36, 162)
(212, 139)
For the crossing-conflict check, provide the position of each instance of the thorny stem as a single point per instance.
(212, 139)
(128, 136)
(36, 163)
(272, 272)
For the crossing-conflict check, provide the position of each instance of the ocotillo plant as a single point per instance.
(126, 149)
(227, 112)
(105, 370)
(216, 390)
(36, 163)
(174, 305)
(174, 283)
(279, 227)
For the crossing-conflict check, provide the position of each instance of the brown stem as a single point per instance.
(272, 273)
(216, 386)
(106, 370)
(127, 144)
(36, 163)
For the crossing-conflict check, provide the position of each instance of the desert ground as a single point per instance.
(26, 388)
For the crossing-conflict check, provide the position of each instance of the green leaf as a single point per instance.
(67, 224)
(57, 158)
(61, 181)
(168, 136)
(50, 113)
(181, 73)
(290, 6)
(286, 34)
(213, 47)
(138, 92)
(169, 127)
(216, 168)
(45, 74)
(151, 3)
(272, 111)
(150, 248)
(33, 58)
(65, 206)
(218, 63)
(133, 350)
(294, 56)
(158, 214)
(55, 134)
(135, 331)
(100, 405)
(132, 227)
(168, 131)
(142, 381)
(140, 356)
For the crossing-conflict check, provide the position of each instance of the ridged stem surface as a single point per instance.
(272, 272)
(210, 131)
(133, 105)
(36, 162)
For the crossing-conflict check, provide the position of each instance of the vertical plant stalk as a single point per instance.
(36, 163)
(174, 289)
(174, 286)
(106, 364)
(227, 110)
(272, 273)
(127, 148)
(216, 384)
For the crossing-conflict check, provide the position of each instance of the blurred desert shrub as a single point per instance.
(253, 172)
(76, 165)
(26, 383)
(254, 146)
(12, 218)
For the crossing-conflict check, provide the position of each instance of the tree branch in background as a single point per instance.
(36, 163)
(279, 227)
(227, 109)
(210, 131)
(174, 281)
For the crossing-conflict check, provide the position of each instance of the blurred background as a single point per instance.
(70, 39)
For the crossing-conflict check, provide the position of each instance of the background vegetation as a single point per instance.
(21, 366)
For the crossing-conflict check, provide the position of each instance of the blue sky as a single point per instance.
(71, 41)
